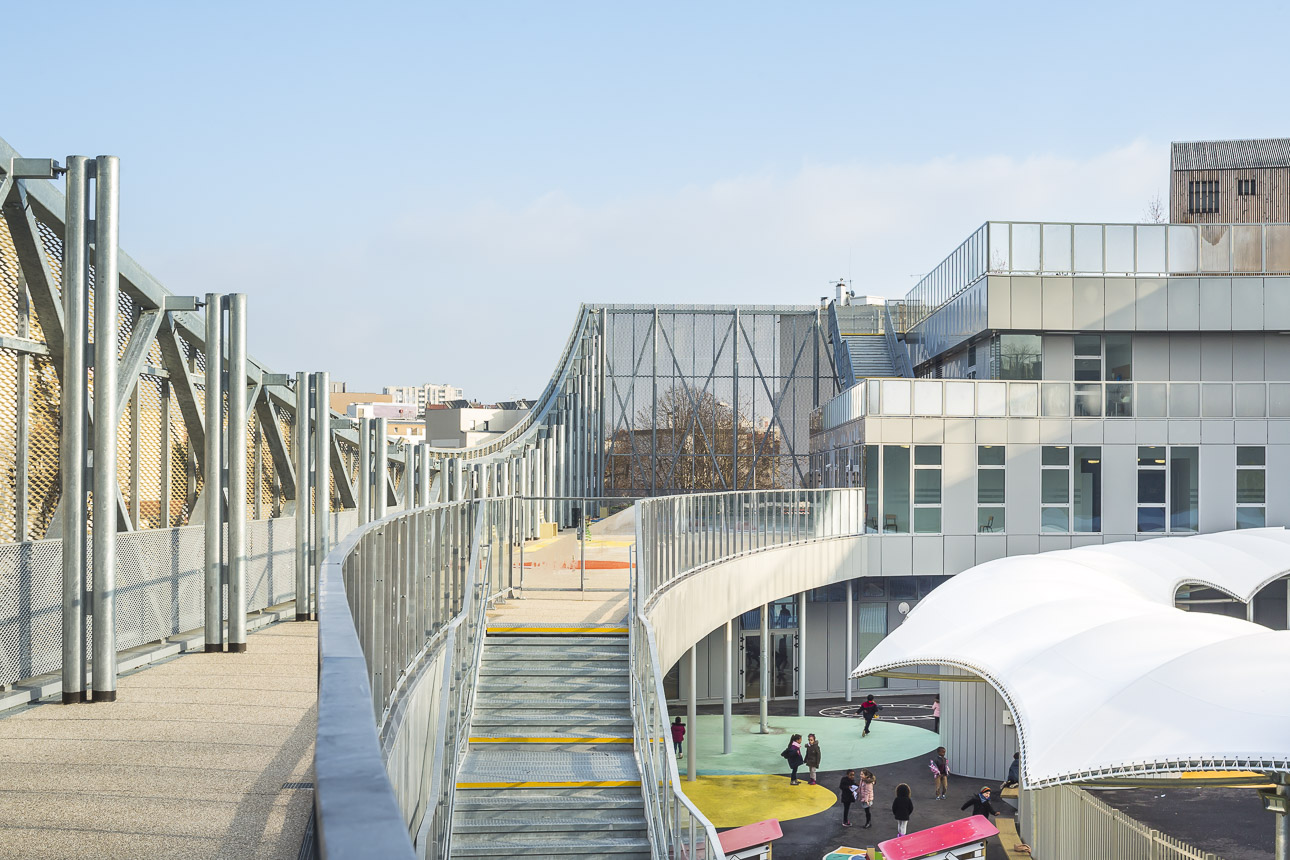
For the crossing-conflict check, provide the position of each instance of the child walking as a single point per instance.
(902, 807)
(940, 766)
(678, 734)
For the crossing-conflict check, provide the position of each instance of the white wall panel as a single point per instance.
(1119, 488)
(929, 555)
(1276, 304)
(1216, 355)
(1217, 488)
(1089, 305)
(1121, 303)
(1184, 304)
(1027, 304)
(1184, 358)
(1059, 356)
(998, 306)
(1153, 304)
(1278, 483)
(1022, 490)
(1216, 303)
(1151, 357)
(1247, 304)
(1057, 309)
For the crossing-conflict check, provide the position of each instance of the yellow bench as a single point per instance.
(1009, 838)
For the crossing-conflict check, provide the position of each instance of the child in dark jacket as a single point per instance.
(902, 807)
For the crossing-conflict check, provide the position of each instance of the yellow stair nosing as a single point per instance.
(501, 740)
(613, 783)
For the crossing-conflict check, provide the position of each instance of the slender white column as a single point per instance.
(237, 443)
(851, 637)
(692, 716)
(727, 698)
(764, 692)
(801, 654)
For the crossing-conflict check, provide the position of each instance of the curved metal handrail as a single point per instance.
(540, 410)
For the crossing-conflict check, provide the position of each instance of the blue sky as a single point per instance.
(415, 192)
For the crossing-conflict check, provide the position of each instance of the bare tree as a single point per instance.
(1156, 213)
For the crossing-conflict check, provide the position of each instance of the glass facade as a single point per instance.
(927, 489)
(1020, 356)
(1071, 488)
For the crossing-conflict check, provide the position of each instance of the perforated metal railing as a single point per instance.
(401, 626)
(159, 588)
(677, 536)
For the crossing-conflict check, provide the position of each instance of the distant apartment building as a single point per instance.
(425, 395)
(1230, 182)
(450, 426)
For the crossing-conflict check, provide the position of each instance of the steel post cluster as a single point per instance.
(206, 438)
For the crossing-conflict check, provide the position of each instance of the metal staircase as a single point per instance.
(550, 772)
(864, 344)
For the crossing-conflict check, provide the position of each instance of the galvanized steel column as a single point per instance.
(304, 489)
(322, 468)
(801, 654)
(763, 694)
(380, 469)
(213, 479)
(409, 477)
(727, 696)
(692, 714)
(75, 431)
(851, 637)
(364, 483)
(106, 327)
(423, 495)
(1282, 839)
(237, 442)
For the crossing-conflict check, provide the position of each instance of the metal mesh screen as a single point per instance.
(44, 428)
(31, 619)
(8, 443)
(704, 398)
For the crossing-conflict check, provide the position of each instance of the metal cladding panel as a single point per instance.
(1216, 303)
(1027, 304)
(1184, 357)
(1230, 154)
(1058, 311)
(1184, 304)
(1022, 491)
(998, 302)
(1218, 488)
(1121, 302)
(1276, 304)
(1119, 487)
(1247, 304)
(1152, 304)
(1215, 357)
(1088, 304)
(1247, 358)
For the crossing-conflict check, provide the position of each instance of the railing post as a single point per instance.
(106, 287)
(237, 442)
(212, 485)
(75, 427)
(322, 470)
(364, 483)
(304, 491)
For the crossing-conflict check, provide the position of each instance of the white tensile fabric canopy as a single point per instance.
(1105, 678)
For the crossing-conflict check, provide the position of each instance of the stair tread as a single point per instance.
(498, 822)
(516, 799)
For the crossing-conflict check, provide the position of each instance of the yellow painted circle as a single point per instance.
(733, 801)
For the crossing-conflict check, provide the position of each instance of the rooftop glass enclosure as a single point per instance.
(1035, 248)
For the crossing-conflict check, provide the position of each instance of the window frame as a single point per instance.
(1001, 506)
(1261, 467)
(1202, 196)
(1166, 466)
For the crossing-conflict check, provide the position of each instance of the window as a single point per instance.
(990, 479)
(888, 497)
(1168, 477)
(895, 489)
(1020, 356)
(927, 489)
(1251, 488)
(1245, 187)
(1055, 488)
(1088, 357)
(1071, 489)
(1202, 196)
